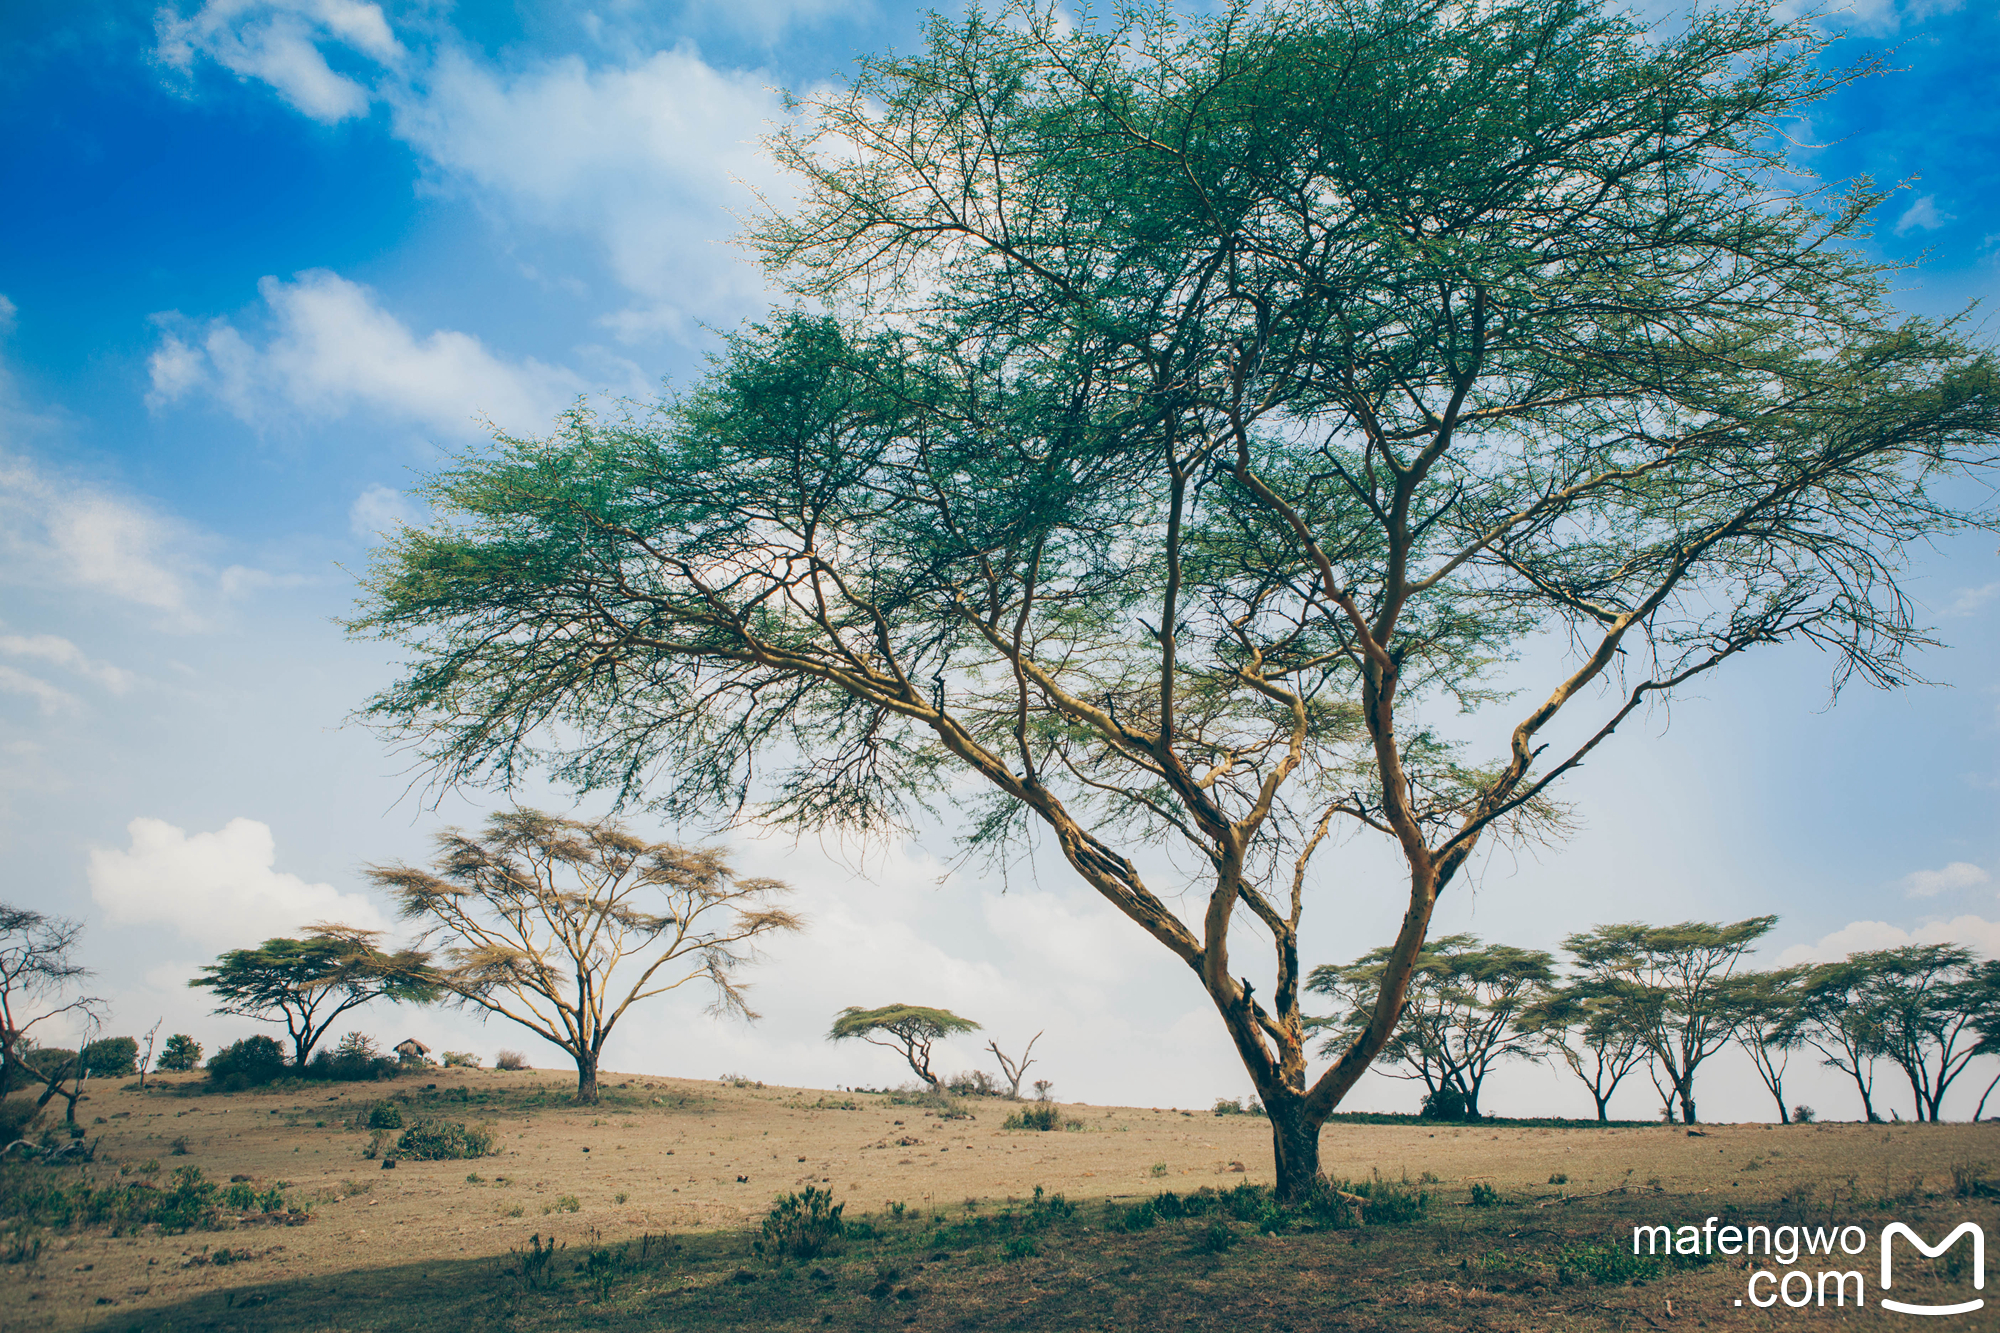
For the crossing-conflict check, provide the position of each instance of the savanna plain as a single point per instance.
(648, 1210)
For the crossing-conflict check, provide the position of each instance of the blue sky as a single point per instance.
(265, 261)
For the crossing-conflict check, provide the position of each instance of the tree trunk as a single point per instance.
(1687, 1108)
(1603, 1107)
(586, 1078)
(1295, 1148)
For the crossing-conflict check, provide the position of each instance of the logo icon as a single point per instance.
(1895, 1229)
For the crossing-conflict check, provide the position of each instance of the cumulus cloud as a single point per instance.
(57, 529)
(651, 157)
(1923, 215)
(1969, 600)
(277, 42)
(332, 348)
(48, 698)
(648, 158)
(217, 889)
(1975, 933)
(1957, 875)
(61, 652)
(381, 509)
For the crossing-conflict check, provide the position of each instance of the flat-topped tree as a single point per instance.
(562, 925)
(907, 1029)
(1207, 405)
(307, 983)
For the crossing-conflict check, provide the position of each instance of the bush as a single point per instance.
(974, 1083)
(180, 1054)
(384, 1115)
(510, 1060)
(1484, 1195)
(18, 1115)
(249, 1063)
(44, 1061)
(111, 1057)
(460, 1060)
(1447, 1103)
(1038, 1115)
(441, 1140)
(1803, 1115)
(801, 1226)
(355, 1060)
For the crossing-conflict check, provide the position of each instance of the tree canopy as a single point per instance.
(308, 983)
(908, 1029)
(1199, 409)
(562, 925)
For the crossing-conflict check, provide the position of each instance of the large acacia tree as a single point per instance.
(562, 925)
(308, 983)
(1196, 413)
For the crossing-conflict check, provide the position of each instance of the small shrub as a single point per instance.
(802, 1225)
(443, 1140)
(1388, 1202)
(240, 1197)
(1559, 1178)
(974, 1083)
(1803, 1115)
(460, 1060)
(1228, 1106)
(1483, 1195)
(385, 1115)
(1218, 1237)
(1446, 1103)
(536, 1264)
(249, 1063)
(180, 1054)
(111, 1057)
(1036, 1115)
(1159, 1169)
(179, 1147)
(1018, 1247)
(510, 1060)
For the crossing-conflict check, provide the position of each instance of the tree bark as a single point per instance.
(586, 1078)
(1295, 1148)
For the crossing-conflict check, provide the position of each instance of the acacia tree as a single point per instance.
(1671, 980)
(1925, 1004)
(1203, 402)
(1459, 1016)
(562, 925)
(308, 983)
(1833, 1018)
(908, 1030)
(1588, 1024)
(1759, 1008)
(37, 969)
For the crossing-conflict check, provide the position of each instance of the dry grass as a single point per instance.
(424, 1246)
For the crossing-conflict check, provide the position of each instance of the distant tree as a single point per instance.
(562, 926)
(1014, 1070)
(1459, 1015)
(1984, 998)
(1836, 1017)
(37, 970)
(1926, 1004)
(1590, 1025)
(180, 1054)
(251, 1062)
(907, 1029)
(1759, 1008)
(1671, 979)
(111, 1057)
(146, 1056)
(308, 983)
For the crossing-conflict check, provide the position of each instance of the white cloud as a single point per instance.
(1969, 600)
(46, 696)
(381, 509)
(1975, 933)
(1957, 875)
(7, 312)
(652, 158)
(61, 652)
(1923, 215)
(334, 349)
(57, 529)
(277, 42)
(218, 889)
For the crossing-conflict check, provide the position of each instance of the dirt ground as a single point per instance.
(674, 1155)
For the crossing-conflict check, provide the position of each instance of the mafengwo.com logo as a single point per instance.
(1831, 1265)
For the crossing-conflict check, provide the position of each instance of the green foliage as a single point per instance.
(1035, 1115)
(801, 1226)
(460, 1060)
(180, 1054)
(355, 1059)
(908, 1029)
(1483, 1195)
(248, 1063)
(187, 1202)
(111, 1057)
(1446, 1103)
(307, 983)
(385, 1115)
(439, 1140)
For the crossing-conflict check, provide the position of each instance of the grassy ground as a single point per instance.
(1510, 1265)
(654, 1200)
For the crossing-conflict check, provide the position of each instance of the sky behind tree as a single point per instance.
(268, 262)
